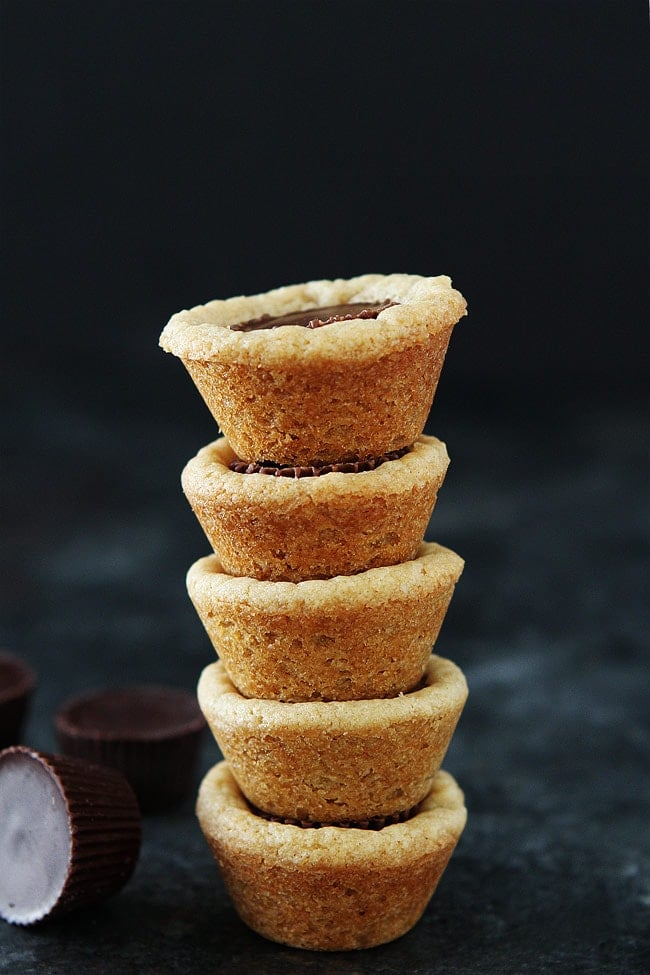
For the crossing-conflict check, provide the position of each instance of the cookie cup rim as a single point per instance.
(425, 306)
(224, 812)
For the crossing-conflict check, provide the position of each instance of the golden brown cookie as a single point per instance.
(363, 636)
(330, 888)
(348, 388)
(298, 527)
(338, 760)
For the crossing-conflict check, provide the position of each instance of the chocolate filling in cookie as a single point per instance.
(316, 470)
(373, 823)
(315, 317)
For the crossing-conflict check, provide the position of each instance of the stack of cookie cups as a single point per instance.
(330, 817)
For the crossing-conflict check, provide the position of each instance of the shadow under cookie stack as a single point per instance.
(330, 817)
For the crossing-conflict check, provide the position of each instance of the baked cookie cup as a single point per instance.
(348, 638)
(300, 524)
(335, 761)
(329, 888)
(353, 377)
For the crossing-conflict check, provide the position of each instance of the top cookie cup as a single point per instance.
(301, 395)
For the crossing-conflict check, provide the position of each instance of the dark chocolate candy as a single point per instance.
(316, 470)
(69, 834)
(151, 734)
(373, 823)
(315, 317)
(17, 682)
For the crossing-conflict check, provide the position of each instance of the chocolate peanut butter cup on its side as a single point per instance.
(69, 834)
(17, 682)
(333, 888)
(151, 734)
(343, 386)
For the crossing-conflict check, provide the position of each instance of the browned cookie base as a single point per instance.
(334, 888)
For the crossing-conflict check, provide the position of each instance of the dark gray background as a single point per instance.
(159, 155)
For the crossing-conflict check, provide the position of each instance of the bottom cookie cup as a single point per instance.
(338, 760)
(330, 888)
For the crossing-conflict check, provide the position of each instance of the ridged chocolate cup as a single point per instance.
(69, 834)
(17, 682)
(151, 734)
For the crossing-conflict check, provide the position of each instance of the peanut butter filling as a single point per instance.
(315, 317)
(316, 470)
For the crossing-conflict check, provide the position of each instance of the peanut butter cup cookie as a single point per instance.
(336, 761)
(363, 636)
(320, 372)
(330, 888)
(295, 523)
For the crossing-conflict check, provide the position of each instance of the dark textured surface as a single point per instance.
(547, 502)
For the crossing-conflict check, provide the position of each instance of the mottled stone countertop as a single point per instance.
(548, 504)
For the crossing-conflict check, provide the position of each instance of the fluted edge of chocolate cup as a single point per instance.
(161, 766)
(161, 773)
